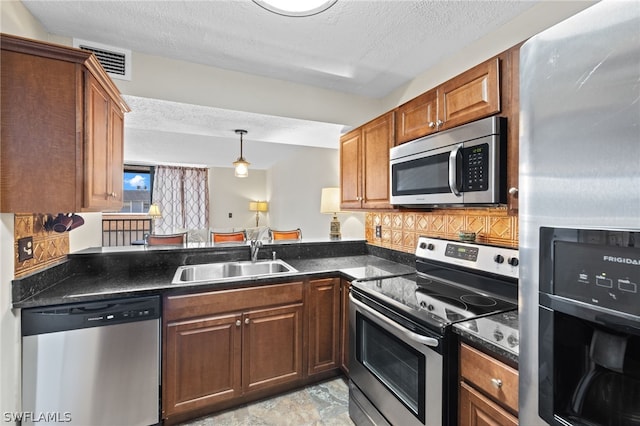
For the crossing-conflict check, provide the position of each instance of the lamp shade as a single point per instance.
(330, 200)
(258, 206)
(154, 211)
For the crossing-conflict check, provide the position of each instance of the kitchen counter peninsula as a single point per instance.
(113, 272)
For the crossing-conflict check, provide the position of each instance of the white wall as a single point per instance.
(294, 187)
(229, 194)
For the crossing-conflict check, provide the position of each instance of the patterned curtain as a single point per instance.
(182, 193)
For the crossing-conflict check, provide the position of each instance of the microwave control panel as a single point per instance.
(476, 167)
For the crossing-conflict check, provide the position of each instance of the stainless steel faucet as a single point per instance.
(255, 246)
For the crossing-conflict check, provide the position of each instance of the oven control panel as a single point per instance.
(500, 330)
(497, 260)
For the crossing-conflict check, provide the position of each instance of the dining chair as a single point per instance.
(167, 239)
(228, 237)
(295, 234)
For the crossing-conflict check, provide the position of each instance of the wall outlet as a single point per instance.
(25, 249)
(378, 231)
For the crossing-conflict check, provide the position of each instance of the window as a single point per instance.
(138, 181)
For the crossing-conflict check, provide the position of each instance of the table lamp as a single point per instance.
(258, 206)
(330, 204)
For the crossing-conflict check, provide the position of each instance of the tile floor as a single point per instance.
(322, 404)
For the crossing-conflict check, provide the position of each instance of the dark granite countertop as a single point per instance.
(98, 274)
(475, 332)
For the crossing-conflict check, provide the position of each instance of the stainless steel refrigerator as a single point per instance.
(579, 175)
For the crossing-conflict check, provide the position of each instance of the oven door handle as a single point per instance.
(428, 341)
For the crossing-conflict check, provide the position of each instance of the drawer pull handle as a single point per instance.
(497, 383)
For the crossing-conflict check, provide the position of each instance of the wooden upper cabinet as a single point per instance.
(104, 125)
(62, 130)
(418, 117)
(470, 96)
(350, 169)
(364, 164)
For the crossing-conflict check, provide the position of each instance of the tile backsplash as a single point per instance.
(48, 247)
(400, 230)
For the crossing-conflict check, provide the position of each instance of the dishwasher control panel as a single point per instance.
(72, 316)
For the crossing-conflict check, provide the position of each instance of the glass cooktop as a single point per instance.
(428, 301)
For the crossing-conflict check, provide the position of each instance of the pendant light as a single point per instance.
(241, 165)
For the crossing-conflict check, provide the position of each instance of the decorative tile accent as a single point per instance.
(400, 230)
(49, 248)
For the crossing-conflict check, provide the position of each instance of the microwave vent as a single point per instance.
(115, 61)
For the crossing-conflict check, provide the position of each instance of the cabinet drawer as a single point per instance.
(491, 376)
(206, 303)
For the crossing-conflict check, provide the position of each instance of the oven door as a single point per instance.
(398, 370)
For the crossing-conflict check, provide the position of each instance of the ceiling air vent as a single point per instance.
(115, 61)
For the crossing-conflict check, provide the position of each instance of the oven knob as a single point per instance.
(428, 307)
(498, 335)
(498, 258)
(512, 340)
(423, 245)
(513, 261)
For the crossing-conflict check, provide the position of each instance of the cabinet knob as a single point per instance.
(432, 124)
(238, 322)
(439, 123)
(513, 191)
(496, 382)
(246, 321)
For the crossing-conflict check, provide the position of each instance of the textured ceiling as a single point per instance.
(366, 48)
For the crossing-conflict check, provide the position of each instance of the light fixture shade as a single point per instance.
(241, 167)
(258, 206)
(330, 200)
(295, 8)
(154, 211)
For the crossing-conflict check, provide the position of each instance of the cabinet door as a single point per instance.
(98, 192)
(344, 326)
(272, 347)
(470, 96)
(478, 410)
(39, 133)
(324, 325)
(377, 139)
(350, 171)
(116, 157)
(201, 363)
(417, 117)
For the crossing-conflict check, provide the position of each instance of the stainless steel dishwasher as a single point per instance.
(92, 363)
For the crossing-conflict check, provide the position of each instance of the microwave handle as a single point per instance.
(453, 170)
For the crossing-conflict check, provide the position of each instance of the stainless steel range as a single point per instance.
(404, 357)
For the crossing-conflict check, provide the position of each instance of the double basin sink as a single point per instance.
(230, 271)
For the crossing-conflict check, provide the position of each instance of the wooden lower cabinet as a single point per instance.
(222, 346)
(202, 362)
(271, 347)
(324, 325)
(488, 390)
(478, 410)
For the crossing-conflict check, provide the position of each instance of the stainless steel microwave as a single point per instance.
(464, 166)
